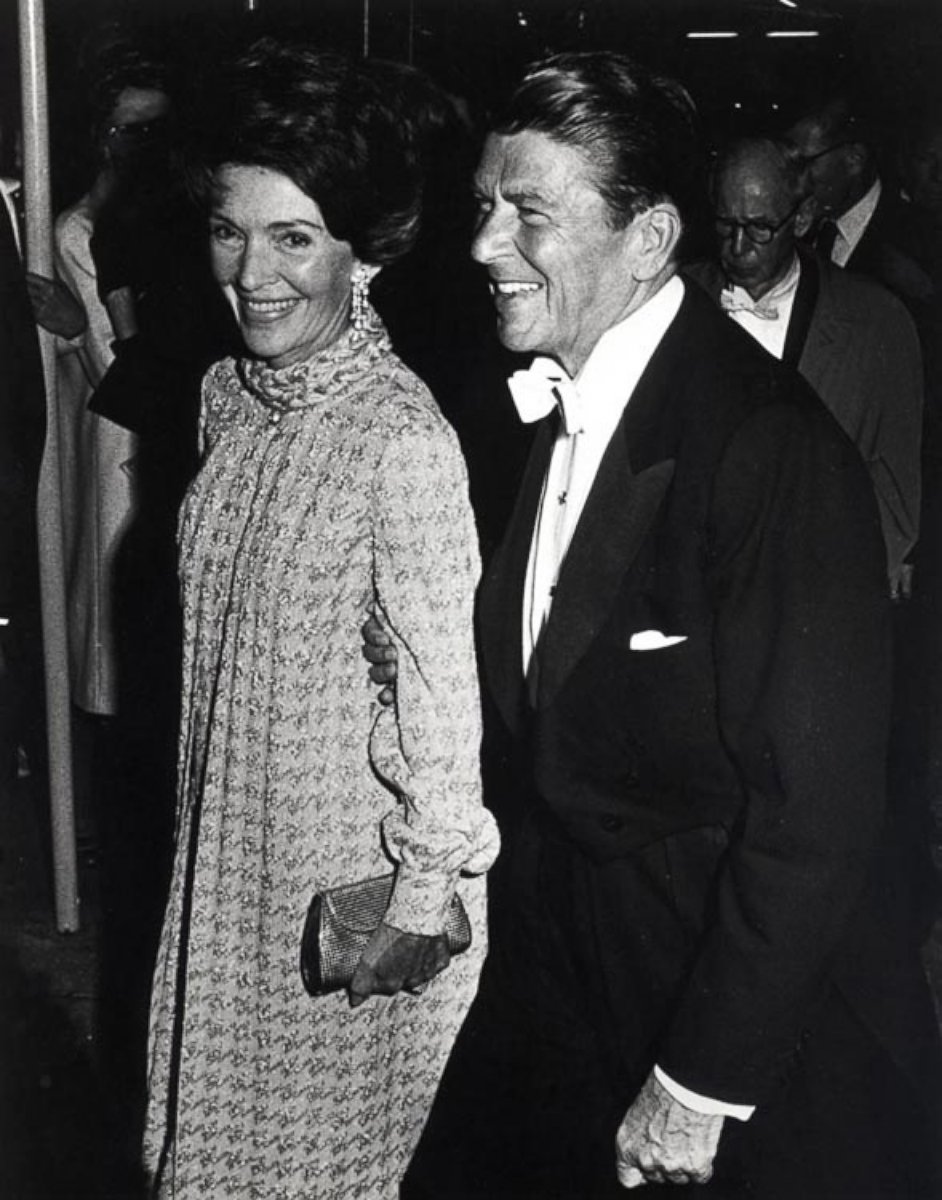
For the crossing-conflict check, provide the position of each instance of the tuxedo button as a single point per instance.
(612, 824)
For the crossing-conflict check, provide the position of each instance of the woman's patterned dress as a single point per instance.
(326, 487)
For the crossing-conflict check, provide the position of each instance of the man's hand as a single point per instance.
(662, 1141)
(378, 649)
(394, 960)
(54, 306)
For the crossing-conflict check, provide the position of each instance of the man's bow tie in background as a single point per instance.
(543, 386)
(737, 299)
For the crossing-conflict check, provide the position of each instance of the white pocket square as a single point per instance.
(653, 639)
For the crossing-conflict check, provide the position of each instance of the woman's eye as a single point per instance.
(220, 232)
(295, 241)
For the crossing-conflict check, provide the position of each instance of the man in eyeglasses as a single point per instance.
(859, 218)
(851, 339)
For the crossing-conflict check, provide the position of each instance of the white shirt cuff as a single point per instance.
(702, 1104)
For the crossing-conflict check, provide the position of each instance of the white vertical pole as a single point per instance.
(39, 258)
(366, 28)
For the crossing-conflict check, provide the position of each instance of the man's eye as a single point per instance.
(531, 216)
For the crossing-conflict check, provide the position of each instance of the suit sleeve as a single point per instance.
(802, 673)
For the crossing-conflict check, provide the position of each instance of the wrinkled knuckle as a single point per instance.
(646, 1161)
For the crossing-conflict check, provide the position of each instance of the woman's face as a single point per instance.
(289, 277)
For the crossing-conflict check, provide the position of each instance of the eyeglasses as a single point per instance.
(804, 159)
(137, 130)
(760, 233)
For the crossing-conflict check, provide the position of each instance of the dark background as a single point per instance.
(474, 46)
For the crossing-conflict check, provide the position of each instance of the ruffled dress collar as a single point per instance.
(309, 383)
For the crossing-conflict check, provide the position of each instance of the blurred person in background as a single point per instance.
(851, 339)
(129, 104)
(25, 300)
(124, 826)
(861, 222)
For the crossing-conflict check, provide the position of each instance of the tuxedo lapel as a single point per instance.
(500, 603)
(629, 488)
(806, 299)
(618, 513)
(632, 481)
(829, 331)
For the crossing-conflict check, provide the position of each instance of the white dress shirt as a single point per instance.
(769, 330)
(592, 406)
(851, 225)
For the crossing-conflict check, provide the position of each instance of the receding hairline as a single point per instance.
(762, 155)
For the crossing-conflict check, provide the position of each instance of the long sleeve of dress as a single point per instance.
(427, 748)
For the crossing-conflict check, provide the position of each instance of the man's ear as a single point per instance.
(805, 218)
(656, 235)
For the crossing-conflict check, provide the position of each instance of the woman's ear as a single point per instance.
(366, 272)
(657, 232)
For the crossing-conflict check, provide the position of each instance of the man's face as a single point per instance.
(830, 165)
(752, 193)
(560, 274)
(136, 133)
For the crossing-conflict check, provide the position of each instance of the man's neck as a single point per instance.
(645, 292)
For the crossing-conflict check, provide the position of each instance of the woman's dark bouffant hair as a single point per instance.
(323, 121)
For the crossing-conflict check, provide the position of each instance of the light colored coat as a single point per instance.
(97, 476)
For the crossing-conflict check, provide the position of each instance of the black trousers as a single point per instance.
(538, 1082)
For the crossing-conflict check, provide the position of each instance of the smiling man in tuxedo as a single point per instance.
(684, 645)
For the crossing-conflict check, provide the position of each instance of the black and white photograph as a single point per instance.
(470, 599)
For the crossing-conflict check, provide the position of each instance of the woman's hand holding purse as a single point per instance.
(394, 961)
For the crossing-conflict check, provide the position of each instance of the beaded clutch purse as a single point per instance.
(340, 922)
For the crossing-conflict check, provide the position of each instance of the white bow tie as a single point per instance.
(736, 299)
(543, 386)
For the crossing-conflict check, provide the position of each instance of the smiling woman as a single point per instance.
(330, 485)
(289, 277)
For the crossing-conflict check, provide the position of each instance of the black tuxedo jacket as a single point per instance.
(748, 759)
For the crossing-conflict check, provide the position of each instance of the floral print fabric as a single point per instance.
(326, 487)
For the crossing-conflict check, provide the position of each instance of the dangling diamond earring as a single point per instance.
(360, 303)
